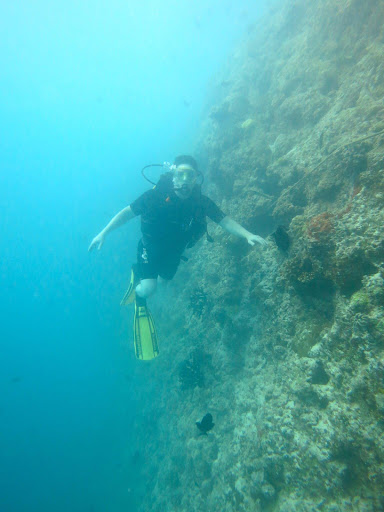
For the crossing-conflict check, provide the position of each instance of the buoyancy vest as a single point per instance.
(197, 225)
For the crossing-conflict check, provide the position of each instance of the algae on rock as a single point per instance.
(290, 346)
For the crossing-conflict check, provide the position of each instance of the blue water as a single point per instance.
(89, 93)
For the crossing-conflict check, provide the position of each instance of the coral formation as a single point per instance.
(191, 372)
(199, 302)
(320, 226)
(288, 352)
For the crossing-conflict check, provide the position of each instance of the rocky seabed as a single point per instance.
(284, 347)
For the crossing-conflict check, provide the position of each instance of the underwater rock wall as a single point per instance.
(285, 347)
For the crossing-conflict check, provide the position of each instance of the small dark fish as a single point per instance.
(205, 424)
(16, 380)
(282, 239)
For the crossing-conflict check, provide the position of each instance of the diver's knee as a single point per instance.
(146, 288)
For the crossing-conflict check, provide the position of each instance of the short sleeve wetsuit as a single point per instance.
(169, 225)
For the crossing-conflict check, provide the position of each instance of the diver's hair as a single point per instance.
(186, 159)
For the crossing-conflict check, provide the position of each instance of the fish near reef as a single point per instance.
(205, 424)
(281, 238)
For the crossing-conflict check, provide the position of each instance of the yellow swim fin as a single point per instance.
(130, 295)
(144, 332)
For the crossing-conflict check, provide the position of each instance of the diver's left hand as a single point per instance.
(252, 239)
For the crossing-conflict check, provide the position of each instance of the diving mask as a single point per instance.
(184, 177)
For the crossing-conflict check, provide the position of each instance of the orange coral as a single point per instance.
(356, 190)
(320, 226)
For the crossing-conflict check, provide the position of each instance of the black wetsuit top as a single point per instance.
(169, 225)
(171, 222)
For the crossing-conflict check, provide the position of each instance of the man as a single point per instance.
(173, 217)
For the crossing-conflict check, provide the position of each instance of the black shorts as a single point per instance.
(155, 260)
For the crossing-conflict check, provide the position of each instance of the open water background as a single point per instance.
(89, 93)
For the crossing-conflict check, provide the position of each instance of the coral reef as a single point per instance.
(191, 372)
(199, 302)
(288, 351)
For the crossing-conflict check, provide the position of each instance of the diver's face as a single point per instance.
(184, 179)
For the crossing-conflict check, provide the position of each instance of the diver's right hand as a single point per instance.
(97, 242)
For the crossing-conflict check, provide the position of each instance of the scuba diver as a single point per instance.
(173, 218)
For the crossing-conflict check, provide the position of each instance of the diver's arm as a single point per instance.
(234, 228)
(118, 220)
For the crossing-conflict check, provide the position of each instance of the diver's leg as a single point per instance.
(169, 264)
(144, 331)
(150, 258)
(146, 288)
(146, 270)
